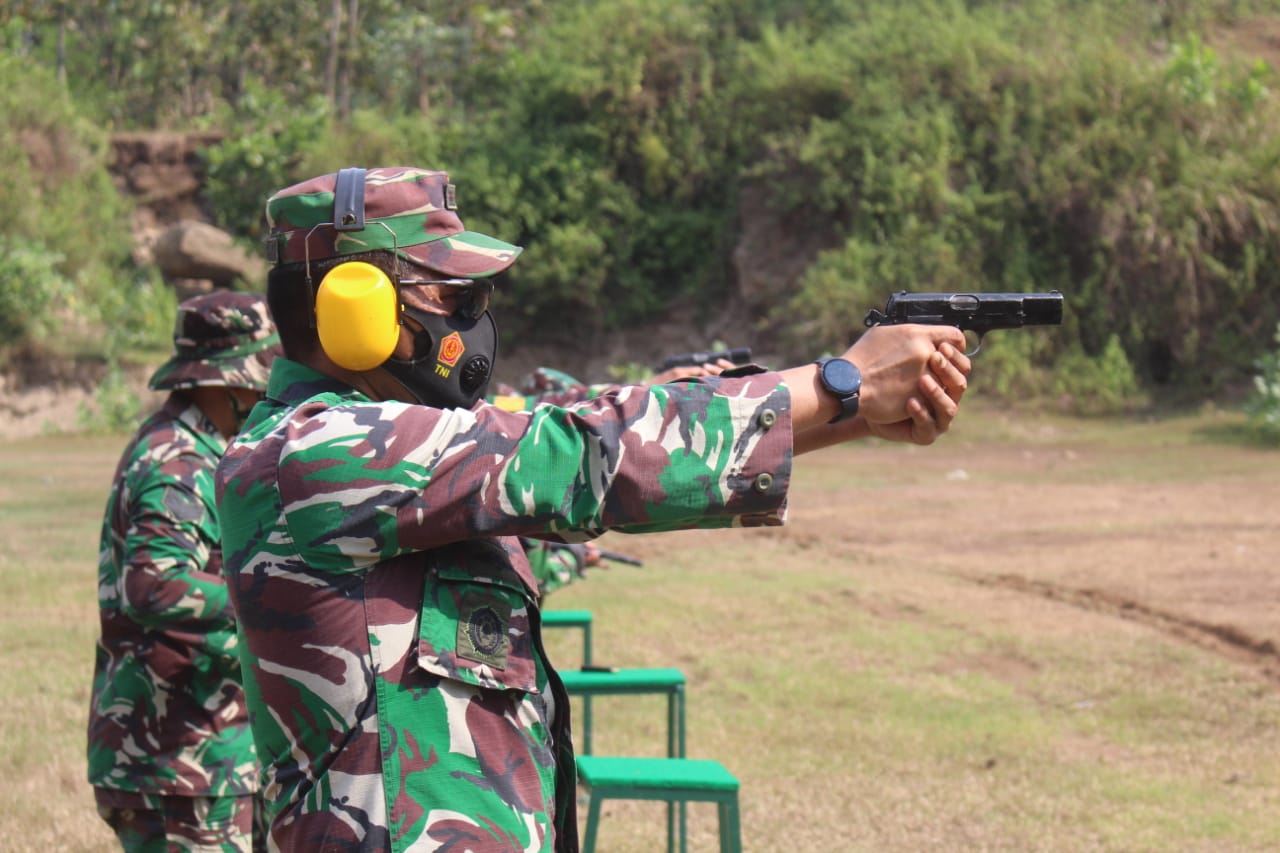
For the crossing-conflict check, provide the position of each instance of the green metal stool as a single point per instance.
(630, 682)
(671, 779)
(580, 619)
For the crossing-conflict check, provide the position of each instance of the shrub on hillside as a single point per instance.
(65, 225)
(1098, 385)
(980, 147)
(30, 286)
(1263, 406)
(272, 138)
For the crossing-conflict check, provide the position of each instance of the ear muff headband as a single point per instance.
(357, 315)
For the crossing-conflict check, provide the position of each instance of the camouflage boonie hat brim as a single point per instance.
(417, 208)
(221, 338)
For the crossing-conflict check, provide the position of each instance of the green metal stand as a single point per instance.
(671, 779)
(580, 619)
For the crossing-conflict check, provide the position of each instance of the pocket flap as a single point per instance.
(474, 623)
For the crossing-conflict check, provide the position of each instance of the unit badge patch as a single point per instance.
(483, 623)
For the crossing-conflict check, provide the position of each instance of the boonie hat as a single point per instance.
(417, 207)
(220, 338)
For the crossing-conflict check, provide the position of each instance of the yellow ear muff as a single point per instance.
(357, 315)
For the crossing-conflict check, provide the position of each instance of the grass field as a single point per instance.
(1041, 634)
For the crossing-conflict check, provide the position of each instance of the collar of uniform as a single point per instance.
(292, 383)
(194, 418)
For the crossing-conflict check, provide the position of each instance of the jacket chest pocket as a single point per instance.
(474, 622)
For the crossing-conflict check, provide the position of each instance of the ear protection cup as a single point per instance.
(357, 315)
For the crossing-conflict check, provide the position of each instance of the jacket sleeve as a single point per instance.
(362, 482)
(171, 572)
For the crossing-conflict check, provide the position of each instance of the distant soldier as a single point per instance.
(402, 698)
(171, 755)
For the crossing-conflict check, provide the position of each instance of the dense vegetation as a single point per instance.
(1123, 152)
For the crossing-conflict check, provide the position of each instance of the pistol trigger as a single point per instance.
(971, 353)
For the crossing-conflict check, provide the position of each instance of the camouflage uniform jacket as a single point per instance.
(390, 635)
(168, 714)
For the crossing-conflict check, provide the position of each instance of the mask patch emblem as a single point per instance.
(451, 349)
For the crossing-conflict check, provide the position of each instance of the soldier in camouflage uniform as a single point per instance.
(555, 566)
(171, 755)
(390, 633)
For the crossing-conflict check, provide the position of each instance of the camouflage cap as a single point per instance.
(417, 208)
(220, 338)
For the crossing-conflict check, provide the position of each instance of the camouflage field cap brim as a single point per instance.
(412, 211)
(221, 338)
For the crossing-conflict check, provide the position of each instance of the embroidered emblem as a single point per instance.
(483, 623)
(485, 630)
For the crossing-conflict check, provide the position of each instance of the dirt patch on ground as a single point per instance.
(37, 411)
(1177, 536)
(1176, 539)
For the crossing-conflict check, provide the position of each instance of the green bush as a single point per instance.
(1118, 151)
(1010, 365)
(611, 160)
(139, 312)
(962, 146)
(30, 287)
(272, 139)
(55, 188)
(1263, 406)
(116, 408)
(1098, 385)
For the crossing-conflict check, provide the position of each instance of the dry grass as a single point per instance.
(1016, 657)
(52, 492)
(999, 643)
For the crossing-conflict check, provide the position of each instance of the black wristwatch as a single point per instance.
(843, 379)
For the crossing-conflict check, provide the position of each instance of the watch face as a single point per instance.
(841, 376)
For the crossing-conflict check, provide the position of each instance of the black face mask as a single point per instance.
(452, 359)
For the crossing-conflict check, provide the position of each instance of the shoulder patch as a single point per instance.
(182, 505)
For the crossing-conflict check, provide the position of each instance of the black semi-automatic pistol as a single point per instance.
(970, 312)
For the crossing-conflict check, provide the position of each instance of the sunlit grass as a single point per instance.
(52, 493)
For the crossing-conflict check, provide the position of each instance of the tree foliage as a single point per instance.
(1106, 148)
